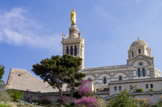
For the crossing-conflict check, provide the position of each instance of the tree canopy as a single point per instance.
(1, 71)
(58, 70)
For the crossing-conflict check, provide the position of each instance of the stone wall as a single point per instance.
(53, 96)
(31, 96)
(22, 80)
(133, 85)
(152, 97)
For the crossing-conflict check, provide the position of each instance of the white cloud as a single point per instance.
(16, 28)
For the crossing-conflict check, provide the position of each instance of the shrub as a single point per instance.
(77, 95)
(66, 99)
(4, 96)
(144, 102)
(124, 99)
(158, 105)
(15, 94)
(139, 90)
(151, 89)
(4, 105)
(101, 102)
(84, 90)
(69, 105)
(2, 85)
(41, 102)
(87, 102)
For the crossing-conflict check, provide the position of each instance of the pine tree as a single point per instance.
(59, 70)
(1, 71)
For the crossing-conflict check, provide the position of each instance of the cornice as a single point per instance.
(72, 41)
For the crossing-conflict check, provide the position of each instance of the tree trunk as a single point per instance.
(71, 93)
(61, 97)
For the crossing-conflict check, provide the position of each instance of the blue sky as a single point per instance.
(30, 30)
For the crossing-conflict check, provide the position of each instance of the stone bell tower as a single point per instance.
(74, 44)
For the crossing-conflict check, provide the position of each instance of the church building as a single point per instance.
(140, 63)
(138, 73)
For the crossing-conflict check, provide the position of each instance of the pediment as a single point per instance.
(147, 59)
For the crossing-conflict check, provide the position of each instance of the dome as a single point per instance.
(139, 47)
(138, 42)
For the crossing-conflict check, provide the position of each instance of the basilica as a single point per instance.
(139, 67)
(138, 73)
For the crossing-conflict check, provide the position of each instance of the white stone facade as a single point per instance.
(133, 85)
(140, 65)
(139, 72)
(74, 44)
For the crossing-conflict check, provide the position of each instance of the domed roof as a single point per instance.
(138, 42)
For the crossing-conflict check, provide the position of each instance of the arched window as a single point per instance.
(75, 51)
(132, 54)
(104, 80)
(120, 88)
(139, 51)
(139, 72)
(143, 72)
(67, 50)
(115, 88)
(140, 63)
(71, 50)
(120, 77)
(89, 79)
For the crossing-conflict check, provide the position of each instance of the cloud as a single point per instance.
(16, 28)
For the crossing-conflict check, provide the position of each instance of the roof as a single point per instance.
(105, 68)
(138, 43)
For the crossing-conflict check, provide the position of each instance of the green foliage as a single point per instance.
(139, 90)
(123, 100)
(158, 105)
(144, 103)
(101, 102)
(151, 89)
(1, 71)
(59, 70)
(77, 95)
(74, 77)
(41, 102)
(70, 105)
(4, 96)
(4, 105)
(2, 85)
(15, 94)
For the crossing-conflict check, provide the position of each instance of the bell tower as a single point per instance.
(74, 44)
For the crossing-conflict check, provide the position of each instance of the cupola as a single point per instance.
(139, 47)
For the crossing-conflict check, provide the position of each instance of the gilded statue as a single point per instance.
(73, 17)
